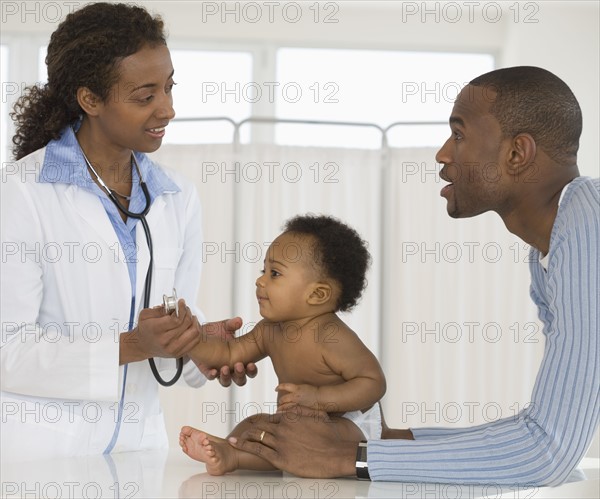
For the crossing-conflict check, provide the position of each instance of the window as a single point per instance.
(6, 90)
(42, 68)
(381, 87)
(371, 86)
(209, 84)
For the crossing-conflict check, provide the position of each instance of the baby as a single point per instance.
(314, 269)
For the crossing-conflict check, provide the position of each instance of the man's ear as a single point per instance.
(320, 294)
(521, 155)
(88, 101)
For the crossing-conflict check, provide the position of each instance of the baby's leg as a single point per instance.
(217, 454)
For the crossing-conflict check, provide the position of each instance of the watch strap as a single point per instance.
(362, 466)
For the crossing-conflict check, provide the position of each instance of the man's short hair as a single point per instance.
(527, 99)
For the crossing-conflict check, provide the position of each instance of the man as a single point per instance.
(520, 127)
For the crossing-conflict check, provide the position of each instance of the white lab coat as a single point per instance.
(66, 298)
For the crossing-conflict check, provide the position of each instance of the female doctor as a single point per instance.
(75, 334)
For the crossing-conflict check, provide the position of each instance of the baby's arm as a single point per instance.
(364, 379)
(215, 352)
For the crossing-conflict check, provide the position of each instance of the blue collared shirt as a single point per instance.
(64, 163)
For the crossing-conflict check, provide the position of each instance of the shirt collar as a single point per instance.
(544, 259)
(64, 163)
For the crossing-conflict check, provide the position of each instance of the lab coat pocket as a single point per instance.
(166, 260)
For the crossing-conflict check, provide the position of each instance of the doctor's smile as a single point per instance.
(158, 132)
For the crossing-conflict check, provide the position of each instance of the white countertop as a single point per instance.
(157, 474)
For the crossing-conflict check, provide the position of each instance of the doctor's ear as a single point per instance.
(88, 101)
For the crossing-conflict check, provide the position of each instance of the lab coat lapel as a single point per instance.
(90, 208)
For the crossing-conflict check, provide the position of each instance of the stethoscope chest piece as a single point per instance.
(170, 303)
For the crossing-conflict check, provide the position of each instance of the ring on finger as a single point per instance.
(262, 435)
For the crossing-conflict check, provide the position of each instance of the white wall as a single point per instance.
(566, 42)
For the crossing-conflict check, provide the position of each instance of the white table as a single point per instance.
(156, 474)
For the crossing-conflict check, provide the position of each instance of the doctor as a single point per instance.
(75, 334)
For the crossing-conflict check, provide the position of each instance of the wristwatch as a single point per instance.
(362, 466)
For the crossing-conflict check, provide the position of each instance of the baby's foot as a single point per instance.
(215, 452)
(192, 442)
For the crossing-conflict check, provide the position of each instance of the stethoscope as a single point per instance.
(169, 302)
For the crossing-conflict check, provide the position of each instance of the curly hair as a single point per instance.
(528, 99)
(339, 251)
(84, 51)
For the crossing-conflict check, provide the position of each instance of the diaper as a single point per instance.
(369, 422)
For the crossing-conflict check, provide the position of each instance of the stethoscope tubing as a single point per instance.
(141, 216)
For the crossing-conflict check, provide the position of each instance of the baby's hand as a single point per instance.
(296, 395)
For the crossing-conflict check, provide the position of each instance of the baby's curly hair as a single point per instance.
(339, 251)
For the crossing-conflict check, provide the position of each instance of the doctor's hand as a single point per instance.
(159, 334)
(226, 329)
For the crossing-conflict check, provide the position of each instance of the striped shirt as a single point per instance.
(543, 443)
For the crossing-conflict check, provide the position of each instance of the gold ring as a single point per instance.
(262, 435)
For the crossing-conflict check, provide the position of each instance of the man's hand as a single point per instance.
(226, 329)
(304, 445)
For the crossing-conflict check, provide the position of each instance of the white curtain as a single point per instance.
(461, 340)
(446, 310)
